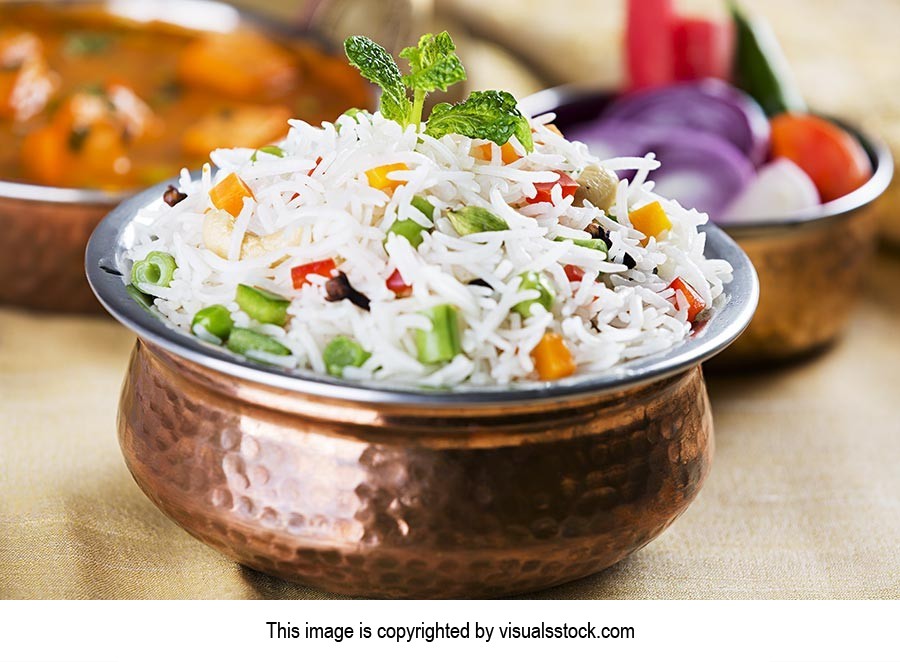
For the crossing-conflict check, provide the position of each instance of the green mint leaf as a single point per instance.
(377, 66)
(433, 64)
(489, 115)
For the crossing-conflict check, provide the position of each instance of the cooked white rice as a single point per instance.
(623, 315)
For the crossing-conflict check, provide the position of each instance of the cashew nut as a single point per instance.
(598, 186)
(218, 227)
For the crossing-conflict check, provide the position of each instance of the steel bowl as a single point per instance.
(389, 490)
(44, 229)
(810, 265)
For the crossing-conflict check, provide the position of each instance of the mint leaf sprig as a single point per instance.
(433, 65)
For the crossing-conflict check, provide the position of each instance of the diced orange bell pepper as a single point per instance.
(552, 359)
(696, 305)
(508, 153)
(650, 220)
(228, 195)
(378, 176)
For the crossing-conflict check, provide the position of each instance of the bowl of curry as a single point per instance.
(98, 99)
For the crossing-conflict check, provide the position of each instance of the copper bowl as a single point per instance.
(385, 490)
(810, 265)
(44, 230)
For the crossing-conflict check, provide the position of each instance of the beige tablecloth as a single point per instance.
(803, 500)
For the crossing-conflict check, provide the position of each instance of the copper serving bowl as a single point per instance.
(810, 265)
(44, 229)
(384, 490)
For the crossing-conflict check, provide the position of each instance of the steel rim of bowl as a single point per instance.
(26, 191)
(549, 100)
(105, 264)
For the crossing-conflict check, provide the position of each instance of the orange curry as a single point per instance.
(89, 99)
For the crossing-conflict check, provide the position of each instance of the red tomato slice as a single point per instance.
(569, 186)
(321, 268)
(832, 158)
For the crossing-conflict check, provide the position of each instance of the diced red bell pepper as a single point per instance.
(702, 48)
(695, 303)
(573, 273)
(569, 186)
(396, 284)
(320, 268)
(648, 43)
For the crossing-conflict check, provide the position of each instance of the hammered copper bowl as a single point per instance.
(810, 266)
(375, 490)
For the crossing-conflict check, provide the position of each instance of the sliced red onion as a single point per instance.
(780, 190)
(709, 105)
(700, 170)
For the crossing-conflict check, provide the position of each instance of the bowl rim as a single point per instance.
(549, 99)
(30, 192)
(105, 264)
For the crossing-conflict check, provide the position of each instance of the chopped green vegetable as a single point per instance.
(86, 43)
(262, 305)
(595, 244)
(442, 342)
(245, 341)
(470, 220)
(489, 115)
(433, 66)
(156, 269)
(409, 229)
(144, 301)
(423, 206)
(377, 66)
(537, 283)
(342, 352)
(760, 67)
(212, 321)
(274, 150)
(353, 112)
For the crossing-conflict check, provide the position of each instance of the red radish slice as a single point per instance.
(780, 190)
(711, 106)
(698, 169)
(648, 43)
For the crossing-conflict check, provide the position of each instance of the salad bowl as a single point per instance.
(385, 490)
(810, 264)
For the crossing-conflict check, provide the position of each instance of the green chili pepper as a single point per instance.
(156, 269)
(342, 352)
(595, 244)
(536, 282)
(262, 305)
(760, 67)
(442, 342)
(470, 220)
(213, 321)
(244, 341)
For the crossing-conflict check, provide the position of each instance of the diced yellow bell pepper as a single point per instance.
(378, 177)
(552, 359)
(508, 153)
(650, 220)
(228, 195)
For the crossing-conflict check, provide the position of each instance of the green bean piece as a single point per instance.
(157, 269)
(423, 206)
(342, 352)
(262, 305)
(409, 229)
(143, 300)
(470, 220)
(442, 342)
(595, 244)
(212, 321)
(538, 283)
(244, 342)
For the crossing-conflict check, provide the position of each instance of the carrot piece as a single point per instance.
(44, 156)
(552, 359)
(378, 176)
(832, 158)
(650, 220)
(228, 195)
(696, 305)
(508, 153)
